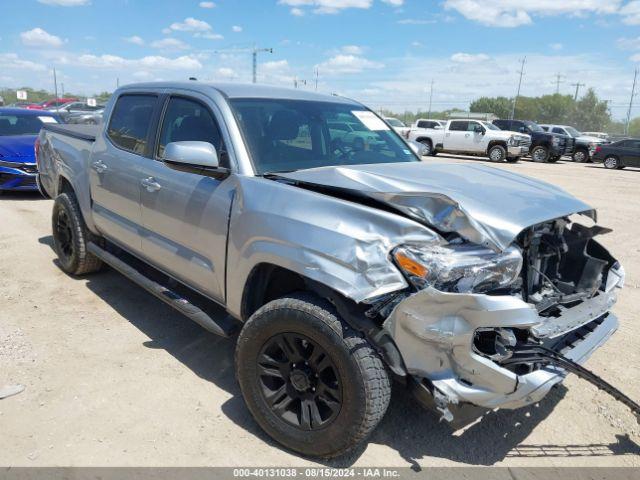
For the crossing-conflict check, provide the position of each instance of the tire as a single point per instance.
(497, 153)
(540, 154)
(611, 162)
(353, 377)
(428, 145)
(580, 156)
(70, 237)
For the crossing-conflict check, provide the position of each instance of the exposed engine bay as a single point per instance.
(563, 265)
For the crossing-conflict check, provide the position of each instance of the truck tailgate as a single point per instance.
(83, 132)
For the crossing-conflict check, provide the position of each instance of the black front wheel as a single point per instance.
(580, 156)
(310, 381)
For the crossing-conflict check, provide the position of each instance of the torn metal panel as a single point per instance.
(484, 205)
(340, 244)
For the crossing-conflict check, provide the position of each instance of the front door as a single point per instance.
(456, 138)
(184, 215)
(114, 169)
(631, 153)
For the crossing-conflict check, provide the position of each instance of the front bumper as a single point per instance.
(434, 332)
(518, 151)
(18, 176)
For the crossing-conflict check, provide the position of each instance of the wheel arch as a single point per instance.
(493, 143)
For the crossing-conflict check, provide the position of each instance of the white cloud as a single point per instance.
(40, 38)
(66, 3)
(226, 73)
(135, 39)
(395, 3)
(236, 28)
(556, 46)
(513, 13)
(352, 50)
(186, 62)
(209, 35)
(629, 43)
(190, 24)
(325, 6)
(415, 21)
(631, 13)
(170, 44)
(207, 5)
(635, 58)
(13, 61)
(343, 64)
(469, 57)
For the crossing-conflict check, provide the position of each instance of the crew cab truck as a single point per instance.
(584, 145)
(545, 146)
(341, 267)
(473, 137)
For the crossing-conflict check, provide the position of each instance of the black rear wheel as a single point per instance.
(611, 162)
(311, 382)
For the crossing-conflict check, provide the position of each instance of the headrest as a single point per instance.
(284, 125)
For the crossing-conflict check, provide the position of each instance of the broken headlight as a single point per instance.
(459, 268)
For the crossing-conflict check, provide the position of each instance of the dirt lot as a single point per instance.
(115, 377)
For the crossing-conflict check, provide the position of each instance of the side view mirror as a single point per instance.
(200, 158)
(438, 127)
(479, 130)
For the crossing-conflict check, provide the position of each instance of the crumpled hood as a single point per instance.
(17, 146)
(484, 205)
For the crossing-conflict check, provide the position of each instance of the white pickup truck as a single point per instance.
(473, 137)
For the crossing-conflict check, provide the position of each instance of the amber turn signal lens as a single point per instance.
(410, 266)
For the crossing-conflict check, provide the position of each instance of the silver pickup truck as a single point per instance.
(343, 261)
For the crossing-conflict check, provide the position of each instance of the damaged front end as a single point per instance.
(473, 309)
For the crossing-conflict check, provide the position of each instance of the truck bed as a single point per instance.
(83, 132)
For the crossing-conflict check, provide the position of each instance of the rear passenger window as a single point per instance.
(188, 120)
(459, 126)
(130, 121)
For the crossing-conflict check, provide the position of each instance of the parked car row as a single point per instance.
(69, 110)
(547, 143)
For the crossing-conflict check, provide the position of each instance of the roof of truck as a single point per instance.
(245, 90)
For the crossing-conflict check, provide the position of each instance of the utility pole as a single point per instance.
(117, 82)
(559, 80)
(430, 99)
(255, 60)
(254, 54)
(633, 94)
(577, 85)
(515, 101)
(317, 73)
(62, 88)
(55, 83)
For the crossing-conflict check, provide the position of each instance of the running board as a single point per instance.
(224, 327)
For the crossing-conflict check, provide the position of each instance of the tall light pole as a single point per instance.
(577, 85)
(55, 83)
(515, 101)
(633, 94)
(430, 99)
(254, 54)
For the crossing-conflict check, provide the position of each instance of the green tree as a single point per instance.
(500, 106)
(590, 113)
(634, 127)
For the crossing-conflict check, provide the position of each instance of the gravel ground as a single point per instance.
(115, 377)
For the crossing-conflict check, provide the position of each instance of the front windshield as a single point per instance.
(534, 127)
(287, 135)
(573, 132)
(22, 124)
(394, 122)
(490, 126)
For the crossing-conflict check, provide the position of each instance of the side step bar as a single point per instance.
(224, 327)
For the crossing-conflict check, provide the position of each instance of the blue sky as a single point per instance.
(382, 52)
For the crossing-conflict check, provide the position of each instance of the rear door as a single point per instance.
(631, 153)
(114, 169)
(184, 215)
(456, 138)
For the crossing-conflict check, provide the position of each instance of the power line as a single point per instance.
(515, 101)
(577, 85)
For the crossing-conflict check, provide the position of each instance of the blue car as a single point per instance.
(19, 129)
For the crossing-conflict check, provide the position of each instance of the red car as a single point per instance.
(56, 102)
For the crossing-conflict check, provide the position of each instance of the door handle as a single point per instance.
(467, 134)
(150, 184)
(99, 166)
